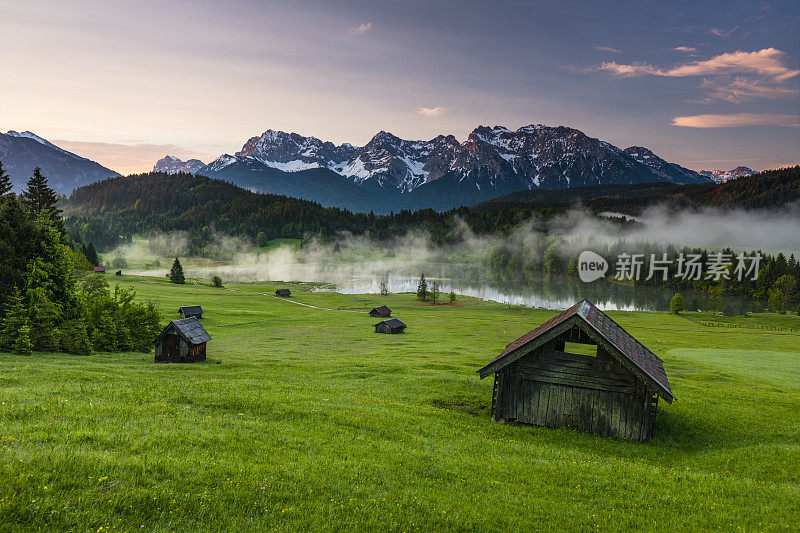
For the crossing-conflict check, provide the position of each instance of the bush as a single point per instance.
(116, 322)
(676, 304)
(216, 281)
(452, 297)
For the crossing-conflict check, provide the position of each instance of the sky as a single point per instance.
(703, 84)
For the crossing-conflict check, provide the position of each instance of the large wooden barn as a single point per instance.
(580, 369)
(182, 341)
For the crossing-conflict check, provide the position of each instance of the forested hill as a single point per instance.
(156, 201)
(115, 209)
(765, 190)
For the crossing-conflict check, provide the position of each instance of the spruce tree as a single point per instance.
(5, 181)
(38, 198)
(176, 273)
(22, 345)
(13, 325)
(422, 288)
(91, 254)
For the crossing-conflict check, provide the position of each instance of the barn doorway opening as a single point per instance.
(171, 345)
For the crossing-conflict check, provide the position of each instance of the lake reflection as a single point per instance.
(555, 292)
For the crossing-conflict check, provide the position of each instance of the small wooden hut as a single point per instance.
(283, 293)
(182, 341)
(100, 269)
(392, 325)
(189, 311)
(381, 312)
(118, 273)
(580, 369)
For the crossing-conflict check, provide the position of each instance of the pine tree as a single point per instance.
(13, 324)
(422, 288)
(5, 181)
(176, 273)
(91, 254)
(434, 292)
(38, 198)
(22, 345)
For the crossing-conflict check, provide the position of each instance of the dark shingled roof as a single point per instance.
(190, 329)
(191, 309)
(382, 310)
(393, 322)
(632, 350)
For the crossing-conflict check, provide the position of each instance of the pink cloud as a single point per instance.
(719, 32)
(685, 49)
(736, 120)
(732, 76)
(742, 89)
(608, 49)
(431, 111)
(766, 62)
(362, 29)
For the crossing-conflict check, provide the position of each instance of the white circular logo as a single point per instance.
(591, 266)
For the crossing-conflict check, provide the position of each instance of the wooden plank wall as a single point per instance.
(554, 389)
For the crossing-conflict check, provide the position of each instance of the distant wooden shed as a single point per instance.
(118, 273)
(381, 312)
(189, 311)
(182, 341)
(100, 269)
(283, 293)
(393, 325)
(580, 369)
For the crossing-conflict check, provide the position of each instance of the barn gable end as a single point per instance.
(611, 388)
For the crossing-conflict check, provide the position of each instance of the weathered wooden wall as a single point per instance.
(186, 353)
(548, 387)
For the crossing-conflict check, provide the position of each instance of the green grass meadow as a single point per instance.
(304, 419)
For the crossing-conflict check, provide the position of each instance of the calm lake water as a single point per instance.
(557, 292)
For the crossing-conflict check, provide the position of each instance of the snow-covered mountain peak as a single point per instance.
(491, 158)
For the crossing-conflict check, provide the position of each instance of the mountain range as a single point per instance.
(721, 176)
(392, 173)
(22, 152)
(388, 173)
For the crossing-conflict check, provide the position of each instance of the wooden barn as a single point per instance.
(283, 293)
(580, 369)
(100, 269)
(182, 341)
(392, 325)
(189, 311)
(381, 312)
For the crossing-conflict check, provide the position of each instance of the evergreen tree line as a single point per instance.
(49, 300)
(777, 282)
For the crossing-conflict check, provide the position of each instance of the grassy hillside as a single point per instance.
(305, 419)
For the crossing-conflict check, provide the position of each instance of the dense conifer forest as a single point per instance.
(50, 299)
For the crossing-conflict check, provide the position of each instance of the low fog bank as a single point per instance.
(359, 264)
